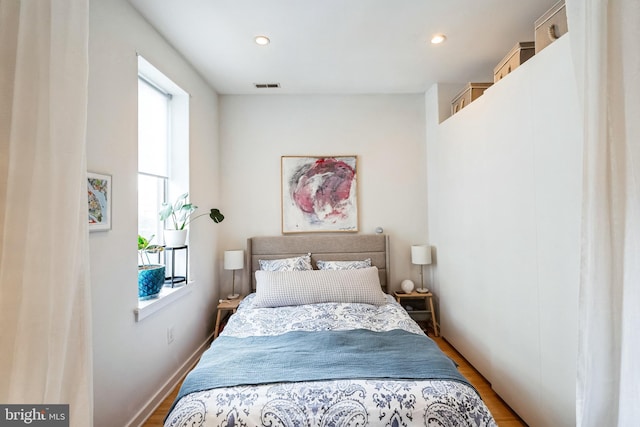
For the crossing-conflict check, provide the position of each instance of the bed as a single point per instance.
(318, 342)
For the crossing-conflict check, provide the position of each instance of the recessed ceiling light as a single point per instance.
(262, 40)
(438, 38)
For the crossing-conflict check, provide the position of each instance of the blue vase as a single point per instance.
(150, 281)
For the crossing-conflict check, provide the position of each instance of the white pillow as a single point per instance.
(343, 265)
(287, 264)
(286, 288)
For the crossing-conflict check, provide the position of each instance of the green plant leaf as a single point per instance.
(143, 242)
(145, 248)
(216, 215)
(166, 211)
(180, 202)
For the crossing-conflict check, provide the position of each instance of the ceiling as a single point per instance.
(342, 46)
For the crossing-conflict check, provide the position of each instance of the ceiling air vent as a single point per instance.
(267, 85)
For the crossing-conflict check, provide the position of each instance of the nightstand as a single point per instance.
(225, 305)
(427, 297)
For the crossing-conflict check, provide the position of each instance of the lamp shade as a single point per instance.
(421, 254)
(234, 260)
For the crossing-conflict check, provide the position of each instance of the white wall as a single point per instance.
(386, 132)
(132, 360)
(504, 214)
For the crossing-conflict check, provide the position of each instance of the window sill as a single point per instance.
(167, 297)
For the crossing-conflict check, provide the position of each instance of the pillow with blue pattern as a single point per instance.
(299, 263)
(344, 265)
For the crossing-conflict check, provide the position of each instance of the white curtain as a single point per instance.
(45, 318)
(605, 36)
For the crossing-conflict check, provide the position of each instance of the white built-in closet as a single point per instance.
(504, 197)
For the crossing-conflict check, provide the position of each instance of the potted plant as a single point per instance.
(179, 213)
(150, 276)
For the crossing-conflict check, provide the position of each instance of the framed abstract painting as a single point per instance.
(319, 194)
(99, 199)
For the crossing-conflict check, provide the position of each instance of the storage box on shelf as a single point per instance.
(550, 26)
(470, 93)
(517, 56)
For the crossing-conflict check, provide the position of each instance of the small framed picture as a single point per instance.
(99, 198)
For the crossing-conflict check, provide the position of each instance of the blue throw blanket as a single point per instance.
(325, 355)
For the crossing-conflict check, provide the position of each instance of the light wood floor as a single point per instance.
(503, 415)
(501, 412)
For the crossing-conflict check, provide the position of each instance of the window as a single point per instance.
(163, 145)
(153, 153)
(163, 150)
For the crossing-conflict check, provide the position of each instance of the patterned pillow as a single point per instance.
(343, 265)
(288, 288)
(287, 264)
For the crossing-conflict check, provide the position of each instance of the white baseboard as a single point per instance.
(166, 389)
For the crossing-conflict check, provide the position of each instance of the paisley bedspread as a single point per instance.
(336, 402)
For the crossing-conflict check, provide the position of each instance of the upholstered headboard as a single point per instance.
(343, 247)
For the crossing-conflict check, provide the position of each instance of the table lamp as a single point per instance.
(233, 260)
(421, 255)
